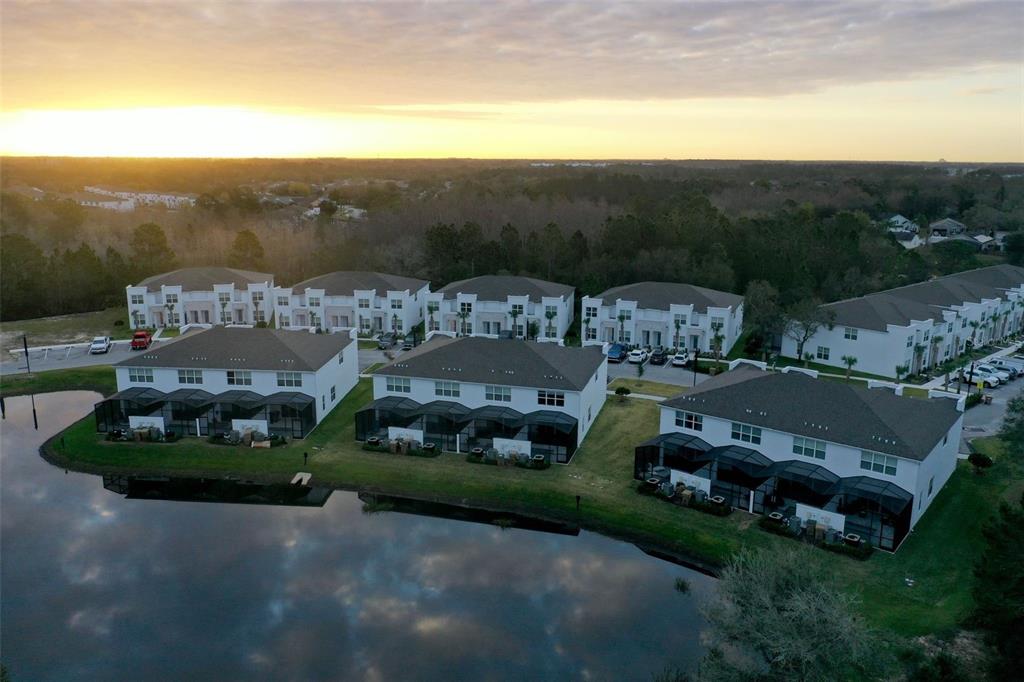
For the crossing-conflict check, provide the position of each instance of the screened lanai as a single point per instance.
(551, 433)
(879, 511)
(290, 414)
(484, 424)
(441, 422)
(113, 412)
(795, 481)
(237, 404)
(678, 451)
(186, 411)
(375, 418)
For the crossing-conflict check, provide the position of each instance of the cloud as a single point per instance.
(335, 56)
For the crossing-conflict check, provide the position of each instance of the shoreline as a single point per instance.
(647, 543)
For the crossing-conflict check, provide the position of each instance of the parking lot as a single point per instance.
(665, 374)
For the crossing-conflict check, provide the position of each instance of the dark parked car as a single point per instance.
(386, 341)
(617, 353)
(659, 357)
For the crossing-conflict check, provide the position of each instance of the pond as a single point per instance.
(98, 585)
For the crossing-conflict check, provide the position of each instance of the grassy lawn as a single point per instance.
(367, 344)
(374, 367)
(648, 387)
(170, 332)
(100, 378)
(939, 555)
(49, 331)
(791, 362)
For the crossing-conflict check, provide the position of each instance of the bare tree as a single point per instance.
(804, 320)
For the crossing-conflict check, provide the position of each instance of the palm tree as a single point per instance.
(974, 325)
(170, 315)
(462, 315)
(586, 328)
(678, 323)
(900, 371)
(937, 340)
(919, 349)
(622, 327)
(394, 323)
(716, 341)
(515, 316)
(223, 310)
(431, 309)
(256, 311)
(550, 315)
(808, 356)
(849, 361)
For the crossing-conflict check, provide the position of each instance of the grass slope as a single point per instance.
(47, 331)
(99, 378)
(649, 387)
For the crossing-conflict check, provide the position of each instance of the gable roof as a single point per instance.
(504, 362)
(500, 287)
(871, 419)
(203, 279)
(926, 300)
(245, 348)
(661, 295)
(346, 282)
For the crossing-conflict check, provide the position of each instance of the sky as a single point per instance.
(857, 80)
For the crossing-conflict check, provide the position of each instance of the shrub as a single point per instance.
(774, 527)
(711, 508)
(979, 461)
(972, 400)
(861, 552)
(682, 585)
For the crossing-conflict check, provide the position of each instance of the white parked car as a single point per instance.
(989, 369)
(637, 356)
(101, 344)
(989, 380)
(680, 359)
(1014, 369)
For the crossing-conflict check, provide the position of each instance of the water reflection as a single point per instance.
(97, 586)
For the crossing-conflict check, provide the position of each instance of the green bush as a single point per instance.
(861, 552)
(711, 508)
(972, 400)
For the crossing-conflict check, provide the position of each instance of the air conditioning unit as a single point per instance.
(852, 539)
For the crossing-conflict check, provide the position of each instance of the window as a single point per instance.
(140, 375)
(949, 328)
(680, 320)
(364, 324)
(341, 357)
(227, 317)
(808, 447)
(398, 325)
(850, 333)
(334, 394)
(590, 312)
(963, 324)
(745, 433)
(260, 315)
(433, 325)
(446, 389)
(398, 385)
(517, 309)
(717, 323)
(688, 420)
(314, 301)
(550, 310)
(282, 300)
(465, 307)
(190, 376)
(396, 304)
(257, 296)
(550, 332)
(554, 398)
(171, 298)
(364, 303)
(627, 336)
(224, 297)
(239, 378)
(626, 314)
(501, 394)
(910, 341)
(289, 379)
(138, 299)
(591, 333)
(931, 485)
(879, 463)
(822, 353)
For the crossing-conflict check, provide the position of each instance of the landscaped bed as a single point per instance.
(938, 555)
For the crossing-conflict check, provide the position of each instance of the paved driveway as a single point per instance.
(985, 420)
(665, 374)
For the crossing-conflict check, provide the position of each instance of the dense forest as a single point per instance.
(802, 232)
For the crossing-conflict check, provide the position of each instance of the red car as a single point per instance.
(141, 340)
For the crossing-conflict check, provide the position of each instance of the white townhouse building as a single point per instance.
(860, 460)
(667, 314)
(233, 378)
(919, 325)
(492, 304)
(371, 302)
(900, 223)
(204, 296)
(109, 203)
(507, 394)
(947, 227)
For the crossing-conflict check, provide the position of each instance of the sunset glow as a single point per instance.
(857, 81)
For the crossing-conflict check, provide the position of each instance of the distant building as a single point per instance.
(223, 379)
(947, 227)
(667, 314)
(899, 223)
(856, 460)
(492, 304)
(169, 200)
(110, 203)
(371, 302)
(501, 394)
(906, 239)
(204, 296)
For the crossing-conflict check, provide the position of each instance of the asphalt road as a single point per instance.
(665, 374)
(985, 420)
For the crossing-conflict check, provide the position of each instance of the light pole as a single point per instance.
(694, 365)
